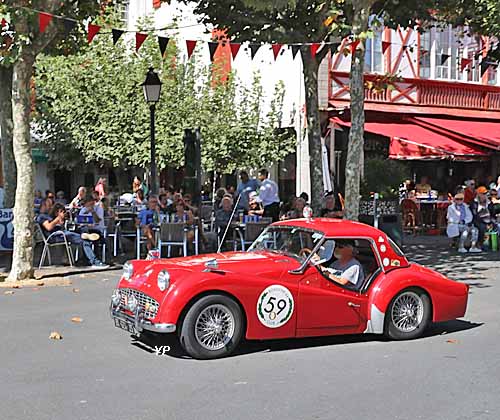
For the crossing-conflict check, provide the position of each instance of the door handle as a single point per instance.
(353, 305)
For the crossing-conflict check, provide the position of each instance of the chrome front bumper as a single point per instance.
(138, 321)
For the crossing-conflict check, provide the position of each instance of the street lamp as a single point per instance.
(152, 91)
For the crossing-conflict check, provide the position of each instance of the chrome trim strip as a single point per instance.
(139, 322)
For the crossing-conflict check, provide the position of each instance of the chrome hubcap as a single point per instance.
(407, 312)
(214, 327)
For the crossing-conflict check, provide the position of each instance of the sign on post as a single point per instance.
(6, 230)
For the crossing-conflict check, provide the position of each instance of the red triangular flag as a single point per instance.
(190, 47)
(385, 45)
(139, 39)
(276, 50)
(464, 63)
(314, 49)
(234, 49)
(43, 20)
(92, 31)
(3, 23)
(354, 44)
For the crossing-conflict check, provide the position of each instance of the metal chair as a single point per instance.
(173, 234)
(112, 231)
(48, 245)
(251, 233)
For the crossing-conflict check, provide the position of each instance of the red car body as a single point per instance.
(321, 307)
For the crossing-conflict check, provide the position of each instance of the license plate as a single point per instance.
(124, 325)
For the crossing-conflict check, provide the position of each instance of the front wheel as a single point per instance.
(408, 315)
(212, 328)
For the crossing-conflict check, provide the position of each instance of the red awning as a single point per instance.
(486, 133)
(412, 141)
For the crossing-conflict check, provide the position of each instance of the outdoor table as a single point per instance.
(435, 209)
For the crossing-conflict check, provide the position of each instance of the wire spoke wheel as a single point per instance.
(214, 327)
(407, 312)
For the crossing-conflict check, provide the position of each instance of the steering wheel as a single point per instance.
(304, 252)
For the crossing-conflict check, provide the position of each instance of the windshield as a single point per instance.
(291, 241)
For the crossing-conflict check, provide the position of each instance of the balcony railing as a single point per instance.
(423, 92)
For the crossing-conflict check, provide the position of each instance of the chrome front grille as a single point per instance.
(149, 305)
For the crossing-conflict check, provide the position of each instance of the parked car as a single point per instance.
(282, 288)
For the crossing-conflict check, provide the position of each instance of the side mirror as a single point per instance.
(211, 265)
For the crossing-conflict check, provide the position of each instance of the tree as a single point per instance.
(100, 88)
(28, 42)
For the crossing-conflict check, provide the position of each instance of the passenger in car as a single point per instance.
(346, 269)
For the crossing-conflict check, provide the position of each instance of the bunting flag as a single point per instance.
(117, 33)
(139, 40)
(314, 49)
(43, 21)
(69, 25)
(92, 31)
(212, 47)
(353, 45)
(444, 58)
(485, 65)
(253, 49)
(276, 50)
(295, 50)
(334, 48)
(464, 62)
(190, 47)
(163, 43)
(385, 45)
(234, 49)
(424, 52)
(3, 23)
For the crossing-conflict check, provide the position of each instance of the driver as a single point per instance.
(346, 269)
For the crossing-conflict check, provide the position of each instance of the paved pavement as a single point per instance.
(97, 372)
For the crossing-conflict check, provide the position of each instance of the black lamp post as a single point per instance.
(152, 91)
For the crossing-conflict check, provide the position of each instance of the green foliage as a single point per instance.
(383, 176)
(92, 104)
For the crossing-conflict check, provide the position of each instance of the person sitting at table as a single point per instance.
(331, 210)
(469, 191)
(184, 215)
(147, 219)
(77, 202)
(297, 212)
(54, 221)
(38, 199)
(139, 201)
(255, 207)
(480, 209)
(60, 198)
(423, 188)
(164, 204)
(223, 215)
(188, 203)
(460, 225)
(95, 213)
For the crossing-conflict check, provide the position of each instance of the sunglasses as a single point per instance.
(459, 199)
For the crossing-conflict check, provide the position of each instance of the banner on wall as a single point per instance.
(6, 230)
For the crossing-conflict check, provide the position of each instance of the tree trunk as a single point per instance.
(22, 258)
(7, 152)
(356, 135)
(311, 66)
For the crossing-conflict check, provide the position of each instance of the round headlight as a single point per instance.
(128, 271)
(163, 280)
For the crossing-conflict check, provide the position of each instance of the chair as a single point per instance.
(173, 234)
(251, 232)
(48, 245)
(411, 215)
(206, 216)
(112, 231)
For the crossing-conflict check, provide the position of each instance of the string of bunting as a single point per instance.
(351, 45)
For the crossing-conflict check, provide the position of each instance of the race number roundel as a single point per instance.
(275, 306)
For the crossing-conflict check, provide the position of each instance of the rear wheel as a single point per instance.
(408, 315)
(212, 327)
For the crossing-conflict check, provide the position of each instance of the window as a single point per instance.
(373, 54)
(425, 55)
(447, 54)
(122, 11)
(492, 75)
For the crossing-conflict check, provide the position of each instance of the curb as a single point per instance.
(39, 274)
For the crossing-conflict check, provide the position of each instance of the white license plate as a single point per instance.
(125, 325)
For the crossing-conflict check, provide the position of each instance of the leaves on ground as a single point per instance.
(75, 290)
(76, 319)
(452, 341)
(17, 286)
(9, 292)
(54, 335)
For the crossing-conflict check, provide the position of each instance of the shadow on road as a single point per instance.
(151, 343)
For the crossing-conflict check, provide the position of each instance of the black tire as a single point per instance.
(417, 327)
(192, 343)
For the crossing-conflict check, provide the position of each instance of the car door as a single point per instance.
(326, 308)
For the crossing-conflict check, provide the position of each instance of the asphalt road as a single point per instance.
(97, 372)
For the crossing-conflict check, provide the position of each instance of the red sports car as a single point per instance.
(300, 278)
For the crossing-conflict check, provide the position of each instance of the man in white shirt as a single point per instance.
(268, 196)
(346, 269)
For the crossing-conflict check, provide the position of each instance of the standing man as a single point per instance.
(245, 187)
(268, 196)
